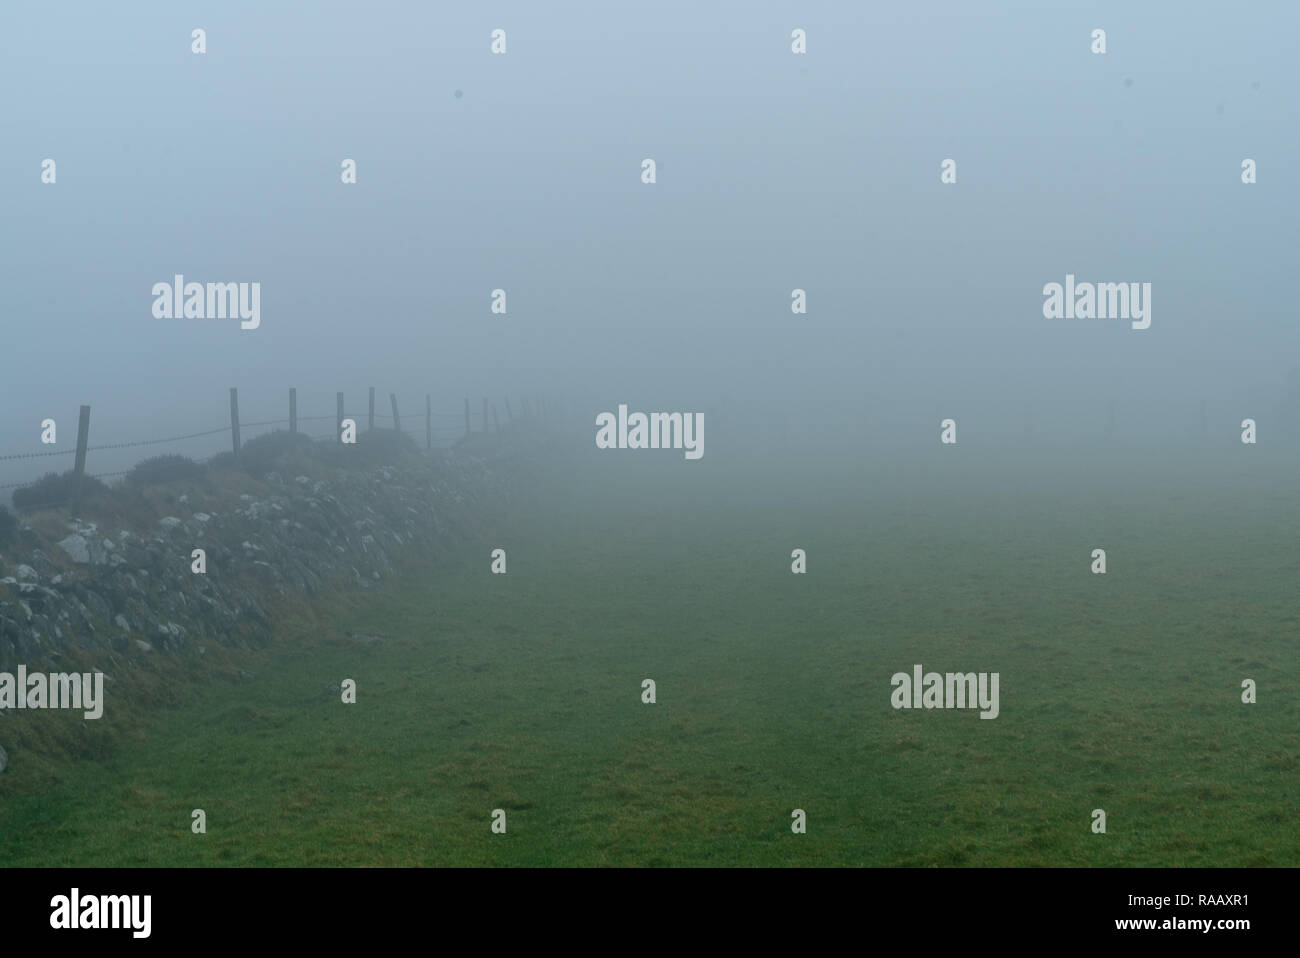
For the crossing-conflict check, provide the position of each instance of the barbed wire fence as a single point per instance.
(445, 434)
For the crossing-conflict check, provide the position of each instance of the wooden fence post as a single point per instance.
(466, 417)
(397, 423)
(372, 407)
(83, 437)
(293, 409)
(428, 422)
(338, 425)
(234, 419)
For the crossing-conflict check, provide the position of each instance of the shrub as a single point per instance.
(57, 489)
(160, 469)
(373, 447)
(386, 445)
(259, 456)
(8, 525)
(222, 461)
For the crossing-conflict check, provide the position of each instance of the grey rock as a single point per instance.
(76, 547)
(83, 549)
(42, 563)
(96, 604)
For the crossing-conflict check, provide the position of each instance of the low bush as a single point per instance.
(386, 445)
(57, 489)
(374, 447)
(222, 461)
(161, 469)
(259, 456)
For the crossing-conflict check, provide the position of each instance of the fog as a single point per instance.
(775, 172)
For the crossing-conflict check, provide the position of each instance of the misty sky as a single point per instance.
(775, 171)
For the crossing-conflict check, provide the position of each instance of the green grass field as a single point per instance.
(523, 691)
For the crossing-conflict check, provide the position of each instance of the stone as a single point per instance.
(76, 548)
(42, 563)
